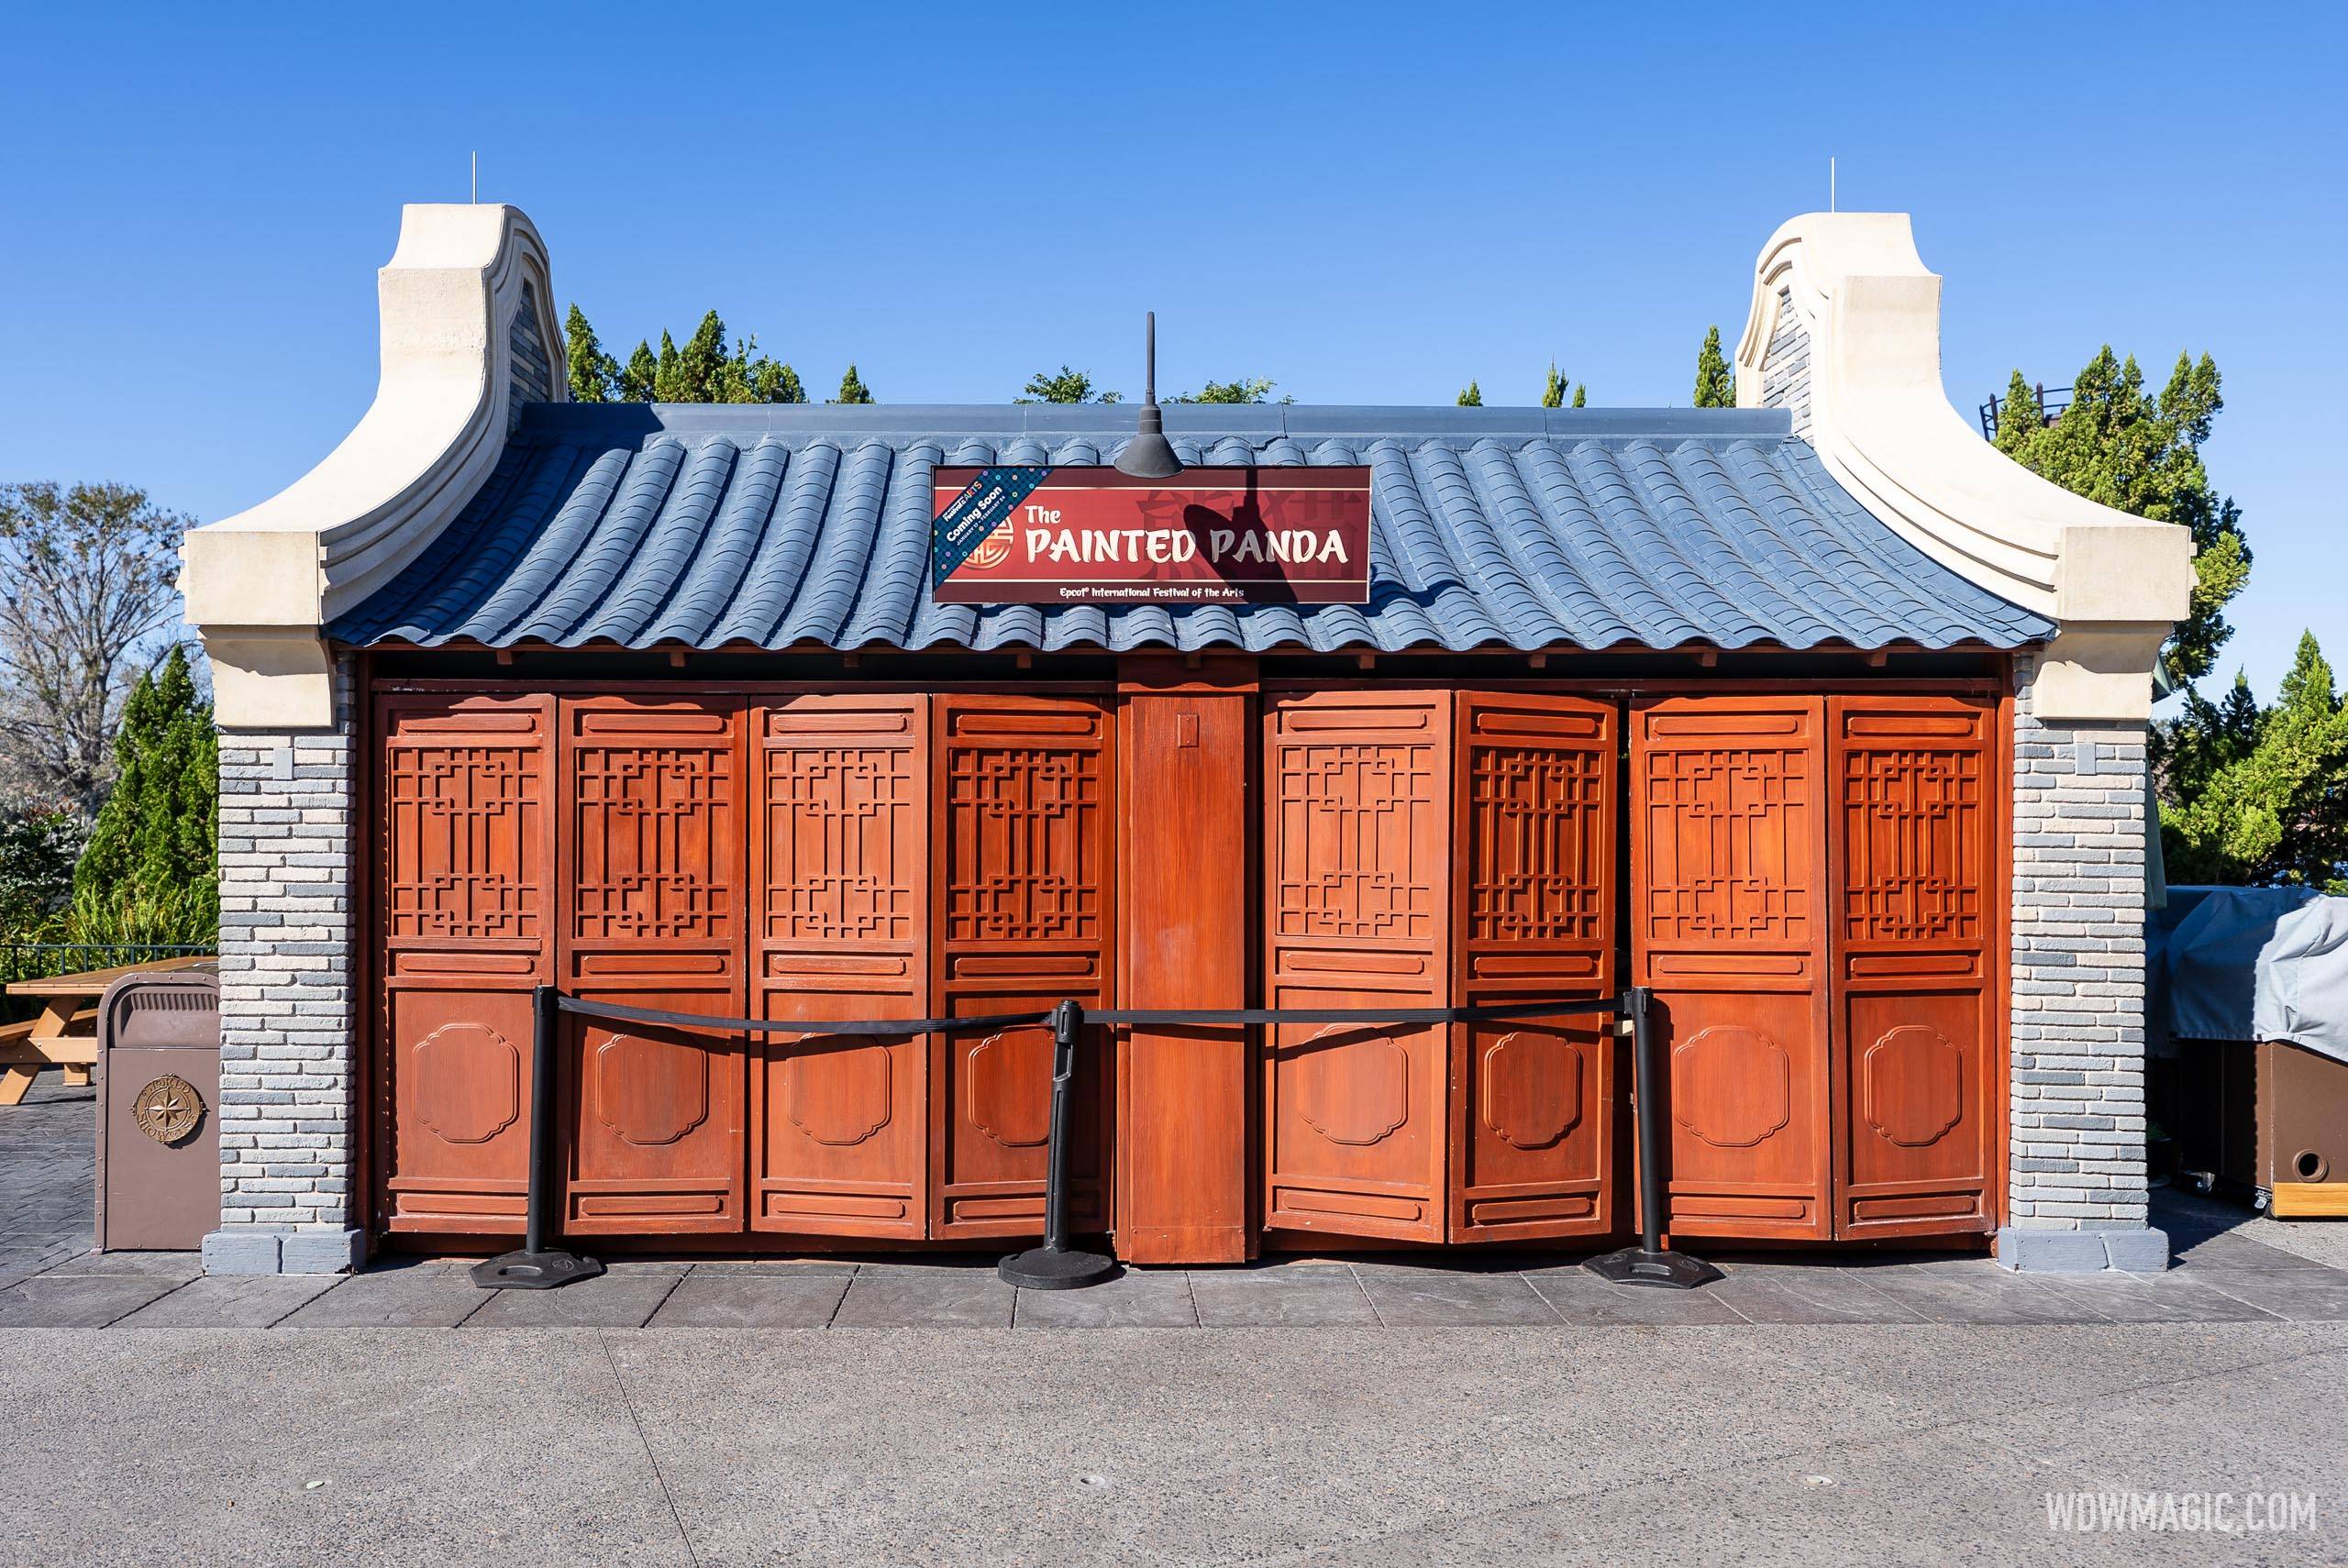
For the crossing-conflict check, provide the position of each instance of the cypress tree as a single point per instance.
(1553, 395)
(2119, 445)
(638, 380)
(1715, 387)
(152, 847)
(1581, 394)
(1473, 397)
(702, 363)
(667, 380)
(594, 375)
(852, 388)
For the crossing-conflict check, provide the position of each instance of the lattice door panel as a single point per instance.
(1729, 924)
(1025, 812)
(653, 826)
(1532, 1135)
(839, 858)
(464, 915)
(1356, 872)
(1917, 821)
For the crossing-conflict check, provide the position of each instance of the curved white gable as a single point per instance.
(261, 585)
(1864, 327)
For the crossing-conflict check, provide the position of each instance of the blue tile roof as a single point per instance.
(761, 526)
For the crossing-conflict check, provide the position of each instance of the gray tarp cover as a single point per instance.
(2252, 964)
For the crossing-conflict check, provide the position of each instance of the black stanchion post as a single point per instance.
(535, 1268)
(1053, 1266)
(1648, 1262)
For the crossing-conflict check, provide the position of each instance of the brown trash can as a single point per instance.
(159, 1134)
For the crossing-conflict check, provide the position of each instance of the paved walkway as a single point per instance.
(1365, 1411)
(48, 1159)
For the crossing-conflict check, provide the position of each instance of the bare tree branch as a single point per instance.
(85, 584)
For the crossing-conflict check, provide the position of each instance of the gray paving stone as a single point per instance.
(729, 1267)
(800, 1300)
(391, 1301)
(1807, 1294)
(1280, 1298)
(2239, 1255)
(1425, 1299)
(607, 1301)
(1137, 1299)
(2000, 1298)
(230, 1301)
(926, 1299)
(2318, 1298)
(48, 1175)
(1581, 1298)
(2135, 1299)
(77, 1300)
(177, 1267)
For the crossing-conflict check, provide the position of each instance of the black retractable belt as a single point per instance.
(1054, 1265)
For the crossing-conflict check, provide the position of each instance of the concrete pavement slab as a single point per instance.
(174, 1267)
(2158, 1298)
(789, 1265)
(1454, 1301)
(753, 1300)
(1580, 1297)
(1137, 1299)
(925, 1298)
(392, 1301)
(287, 1449)
(77, 1301)
(1798, 1293)
(2320, 1298)
(1996, 1297)
(607, 1301)
(232, 1301)
(1291, 1297)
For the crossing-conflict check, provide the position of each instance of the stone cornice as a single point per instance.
(261, 585)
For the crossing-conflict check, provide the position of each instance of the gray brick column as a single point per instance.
(2076, 1190)
(288, 1063)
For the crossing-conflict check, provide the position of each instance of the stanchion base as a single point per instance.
(1636, 1265)
(1055, 1268)
(534, 1271)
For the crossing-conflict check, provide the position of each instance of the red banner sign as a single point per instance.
(1205, 537)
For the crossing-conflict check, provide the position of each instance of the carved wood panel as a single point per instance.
(463, 910)
(839, 871)
(1917, 821)
(1533, 1102)
(1357, 872)
(1025, 819)
(1729, 924)
(652, 813)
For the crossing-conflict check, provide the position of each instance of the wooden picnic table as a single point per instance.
(66, 1032)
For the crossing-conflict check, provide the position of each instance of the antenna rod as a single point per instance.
(1149, 357)
(1829, 183)
(476, 178)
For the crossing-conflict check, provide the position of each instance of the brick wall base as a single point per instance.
(2077, 1159)
(289, 1067)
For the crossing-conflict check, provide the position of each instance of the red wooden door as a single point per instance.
(1356, 868)
(464, 908)
(1533, 1102)
(1729, 922)
(1914, 944)
(1021, 914)
(652, 855)
(839, 861)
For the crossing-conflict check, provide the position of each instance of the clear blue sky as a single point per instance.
(1365, 203)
